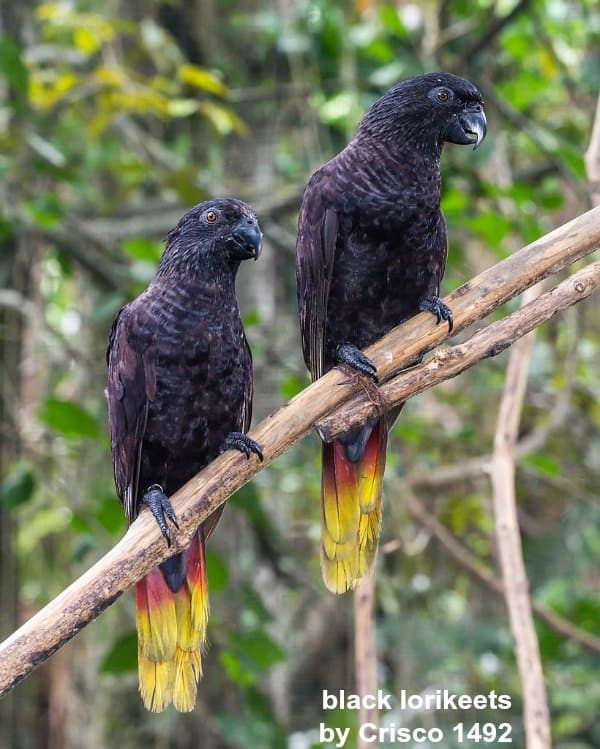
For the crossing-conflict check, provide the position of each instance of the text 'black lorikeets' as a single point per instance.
(371, 252)
(179, 393)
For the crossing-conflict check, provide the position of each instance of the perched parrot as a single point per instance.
(179, 393)
(371, 252)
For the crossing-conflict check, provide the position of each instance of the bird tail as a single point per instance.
(351, 498)
(171, 629)
(370, 469)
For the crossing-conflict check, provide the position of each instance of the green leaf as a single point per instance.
(122, 657)
(492, 227)
(223, 119)
(110, 515)
(256, 651)
(140, 248)
(183, 107)
(574, 160)
(15, 72)
(542, 463)
(291, 386)
(251, 318)
(235, 669)
(262, 649)
(68, 418)
(455, 202)
(46, 522)
(87, 41)
(201, 78)
(340, 108)
(80, 524)
(44, 210)
(18, 486)
(390, 18)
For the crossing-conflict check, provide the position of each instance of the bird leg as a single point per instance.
(243, 443)
(348, 353)
(441, 311)
(161, 509)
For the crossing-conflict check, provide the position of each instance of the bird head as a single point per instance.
(220, 232)
(428, 110)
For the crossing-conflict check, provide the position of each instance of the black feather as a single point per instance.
(179, 366)
(371, 236)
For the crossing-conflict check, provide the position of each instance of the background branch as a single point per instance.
(487, 577)
(536, 716)
(495, 28)
(142, 547)
(592, 159)
(534, 441)
(365, 651)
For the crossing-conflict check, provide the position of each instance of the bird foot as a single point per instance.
(161, 509)
(348, 353)
(243, 443)
(441, 311)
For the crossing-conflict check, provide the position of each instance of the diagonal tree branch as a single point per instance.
(450, 362)
(143, 548)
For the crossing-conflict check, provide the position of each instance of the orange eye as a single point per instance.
(442, 95)
(211, 217)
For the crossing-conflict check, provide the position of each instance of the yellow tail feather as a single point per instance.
(339, 509)
(340, 519)
(339, 576)
(370, 470)
(188, 670)
(351, 503)
(368, 539)
(156, 682)
(171, 633)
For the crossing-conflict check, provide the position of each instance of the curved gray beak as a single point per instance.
(474, 125)
(468, 128)
(246, 240)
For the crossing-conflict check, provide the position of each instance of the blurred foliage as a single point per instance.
(114, 118)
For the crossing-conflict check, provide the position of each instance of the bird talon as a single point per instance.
(348, 353)
(438, 308)
(243, 443)
(160, 507)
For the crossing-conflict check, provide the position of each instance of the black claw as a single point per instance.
(348, 353)
(161, 509)
(243, 443)
(441, 311)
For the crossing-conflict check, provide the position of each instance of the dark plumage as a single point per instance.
(371, 252)
(179, 392)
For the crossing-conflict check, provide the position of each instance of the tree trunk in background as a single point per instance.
(14, 273)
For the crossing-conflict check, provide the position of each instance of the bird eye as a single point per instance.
(442, 95)
(211, 216)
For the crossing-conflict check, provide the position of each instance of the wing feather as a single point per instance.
(318, 234)
(130, 389)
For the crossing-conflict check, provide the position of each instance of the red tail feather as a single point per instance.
(171, 631)
(351, 510)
